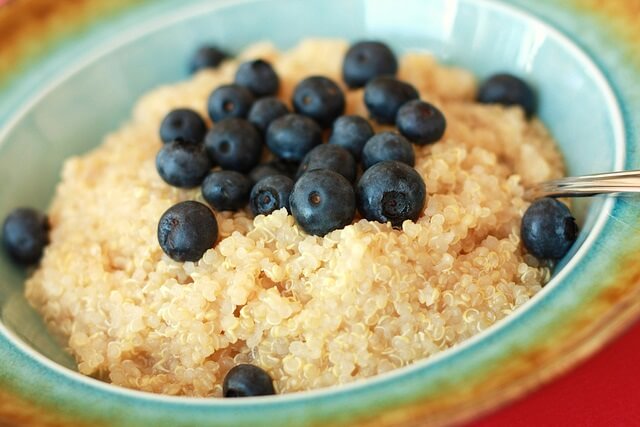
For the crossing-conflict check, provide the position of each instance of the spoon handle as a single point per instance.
(587, 185)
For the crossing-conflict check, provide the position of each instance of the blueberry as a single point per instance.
(507, 89)
(183, 164)
(187, 230)
(229, 101)
(322, 201)
(292, 136)
(206, 57)
(548, 229)
(234, 144)
(25, 233)
(226, 190)
(274, 167)
(421, 122)
(270, 194)
(387, 145)
(183, 124)
(384, 96)
(327, 156)
(286, 167)
(259, 77)
(391, 192)
(319, 98)
(262, 171)
(247, 380)
(366, 60)
(266, 110)
(351, 132)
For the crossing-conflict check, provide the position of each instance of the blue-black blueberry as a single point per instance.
(187, 230)
(207, 56)
(548, 229)
(365, 60)
(507, 89)
(247, 380)
(234, 144)
(230, 100)
(320, 98)
(322, 201)
(421, 122)
(226, 190)
(25, 233)
(329, 156)
(384, 96)
(265, 110)
(292, 136)
(183, 124)
(183, 164)
(270, 194)
(259, 77)
(387, 145)
(351, 132)
(392, 192)
(263, 170)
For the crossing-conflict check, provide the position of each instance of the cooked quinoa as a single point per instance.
(311, 311)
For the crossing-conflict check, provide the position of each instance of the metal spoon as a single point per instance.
(587, 185)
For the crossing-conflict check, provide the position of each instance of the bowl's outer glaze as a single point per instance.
(596, 299)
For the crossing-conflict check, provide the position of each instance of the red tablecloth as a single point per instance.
(603, 391)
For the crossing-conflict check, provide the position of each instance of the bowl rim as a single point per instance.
(191, 10)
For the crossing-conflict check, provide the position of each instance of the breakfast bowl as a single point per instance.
(66, 97)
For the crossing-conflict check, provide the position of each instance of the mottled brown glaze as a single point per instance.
(621, 17)
(28, 28)
(17, 412)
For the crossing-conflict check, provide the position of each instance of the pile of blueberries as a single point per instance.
(320, 184)
(313, 180)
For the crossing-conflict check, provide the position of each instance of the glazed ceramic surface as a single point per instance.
(83, 84)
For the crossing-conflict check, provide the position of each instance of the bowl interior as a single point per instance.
(71, 111)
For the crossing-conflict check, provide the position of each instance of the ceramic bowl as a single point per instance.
(63, 98)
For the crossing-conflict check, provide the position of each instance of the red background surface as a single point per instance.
(602, 391)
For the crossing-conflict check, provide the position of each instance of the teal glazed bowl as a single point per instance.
(66, 97)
